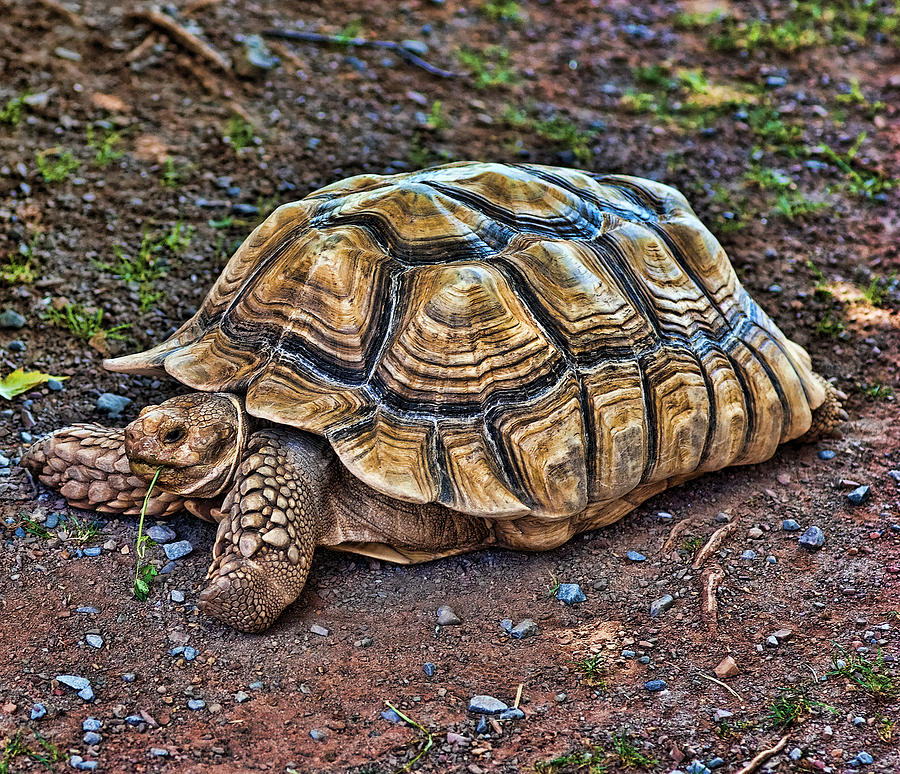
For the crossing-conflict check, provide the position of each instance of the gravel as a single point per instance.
(859, 495)
(570, 593)
(789, 525)
(655, 686)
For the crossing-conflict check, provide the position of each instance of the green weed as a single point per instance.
(421, 154)
(83, 323)
(436, 120)
(104, 145)
(350, 31)
(629, 755)
(11, 113)
(697, 20)
(871, 675)
(692, 544)
(878, 391)
(885, 729)
(795, 205)
(855, 97)
(151, 261)
(829, 327)
(19, 269)
(728, 728)
(502, 10)
(879, 289)
(575, 762)
(821, 289)
(56, 165)
(173, 174)
(776, 135)
(427, 738)
(15, 747)
(144, 573)
(859, 179)
(239, 133)
(790, 706)
(81, 532)
(557, 130)
(593, 670)
(490, 67)
(33, 528)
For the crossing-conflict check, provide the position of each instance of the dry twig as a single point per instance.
(763, 755)
(197, 5)
(211, 84)
(719, 682)
(141, 48)
(710, 601)
(187, 39)
(70, 16)
(343, 40)
(713, 544)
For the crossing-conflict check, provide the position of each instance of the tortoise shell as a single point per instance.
(500, 339)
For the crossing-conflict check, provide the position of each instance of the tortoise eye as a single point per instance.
(174, 435)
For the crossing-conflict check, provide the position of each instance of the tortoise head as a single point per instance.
(197, 439)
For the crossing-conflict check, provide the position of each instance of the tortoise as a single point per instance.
(416, 365)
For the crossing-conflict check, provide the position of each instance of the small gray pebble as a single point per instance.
(796, 754)
(827, 454)
(748, 554)
(159, 752)
(38, 711)
(523, 629)
(390, 716)
(429, 669)
(318, 734)
(10, 318)
(93, 551)
(415, 46)
(859, 495)
(178, 549)
(487, 705)
(196, 704)
(864, 758)
(176, 596)
(90, 724)
(789, 525)
(570, 593)
(513, 713)
(715, 763)
(813, 539)
(74, 682)
(16, 345)
(636, 556)
(94, 640)
(86, 694)
(128, 677)
(241, 696)
(321, 631)
(135, 720)
(446, 616)
(655, 685)
(112, 405)
(91, 737)
(661, 605)
(160, 533)
(506, 624)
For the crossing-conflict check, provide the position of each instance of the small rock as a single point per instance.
(196, 704)
(128, 677)
(715, 763)
(487, 705)
(755, 533)
(112, 405)
(159, 752)
(782, 635)
(655, 686)
(9, 318)
(636, 556)
(827, 454)
(135, 720)
(506, 624)
(795, 754)
(318, 734)
(93, 551)
(696, 767)
(864, 758)
(661, 605)
(570, 593)
(726, 668)
(481, 728)
(446, 616)
(240, 697)
(429, 669)
(176, 596)
(523, 629)
(86, 694)
(90, 724)
(321, 631)
(38, 711)
(94, 640)
(722, 714)
(74, 682)
(70, 55)
(813, 539)
(513, 713)
(771, 642)
(160, 533)
(189, 653)
(91, 737)
(789, 525)
(16, 345)
(859, 495)
(417, 47)
(178, 549)
(391, 716)
(748, 554)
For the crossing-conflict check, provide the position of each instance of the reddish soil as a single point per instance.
(328, 112)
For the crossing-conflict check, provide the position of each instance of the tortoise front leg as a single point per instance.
(274, 515)
(87, 465)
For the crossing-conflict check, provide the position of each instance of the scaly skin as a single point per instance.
(264, 546)
(827, 417)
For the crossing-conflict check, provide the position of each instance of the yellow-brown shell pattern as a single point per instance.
(501, 339)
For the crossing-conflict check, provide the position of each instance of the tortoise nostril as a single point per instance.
(173, 435)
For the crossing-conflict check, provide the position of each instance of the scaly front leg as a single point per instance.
(87, 465)
(274, 516)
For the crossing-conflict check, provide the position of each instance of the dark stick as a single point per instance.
(340, 40)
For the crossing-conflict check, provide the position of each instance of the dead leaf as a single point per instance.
(109, 102)
(149, 147)
(98, 342)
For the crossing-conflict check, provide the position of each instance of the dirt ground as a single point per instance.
(132, 164)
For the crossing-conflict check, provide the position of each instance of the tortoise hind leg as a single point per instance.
(827, 417)
(273, 519)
